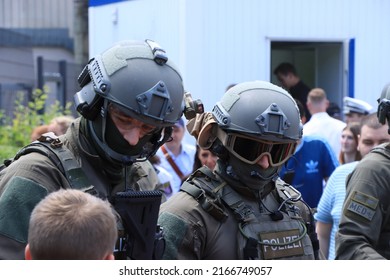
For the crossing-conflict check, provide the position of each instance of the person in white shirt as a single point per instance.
(177, 157)
(320, 122)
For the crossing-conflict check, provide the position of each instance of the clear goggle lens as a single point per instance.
(126, 122)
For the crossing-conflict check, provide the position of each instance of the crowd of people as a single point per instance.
(371, 134)
(273, 174)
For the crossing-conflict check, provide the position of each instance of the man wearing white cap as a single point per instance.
(354, 109)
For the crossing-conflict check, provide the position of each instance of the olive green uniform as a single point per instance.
(221, 223)
(30, 178)
(364, 230)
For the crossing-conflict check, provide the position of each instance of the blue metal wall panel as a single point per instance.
(94, 3)
(351, 68)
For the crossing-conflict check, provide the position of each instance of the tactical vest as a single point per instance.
(281, 234)
(50, 146)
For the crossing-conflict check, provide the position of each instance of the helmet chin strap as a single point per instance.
(110, 153)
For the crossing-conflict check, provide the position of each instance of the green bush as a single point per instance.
(7, 151)
(16, 132)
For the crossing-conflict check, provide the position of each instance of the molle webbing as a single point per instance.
(204, 186)
(241, 211)
(209, 205)
(205, 194)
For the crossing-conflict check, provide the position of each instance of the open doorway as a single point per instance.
(319, 64)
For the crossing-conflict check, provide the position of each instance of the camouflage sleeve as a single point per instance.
(360, 234)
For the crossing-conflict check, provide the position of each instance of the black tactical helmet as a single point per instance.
(137, 78)
(256, 118)
(383, 112)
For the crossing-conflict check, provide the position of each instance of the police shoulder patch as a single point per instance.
(17, 202)
(175, 229)
(363, 205)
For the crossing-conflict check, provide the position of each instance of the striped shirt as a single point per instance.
(331, 203)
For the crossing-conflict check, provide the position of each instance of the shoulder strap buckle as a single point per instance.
(51, 138)
(209, 205)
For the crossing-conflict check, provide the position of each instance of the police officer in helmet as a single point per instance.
(131, 95)
(242, 209)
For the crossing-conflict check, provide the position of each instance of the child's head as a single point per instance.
(71, 224)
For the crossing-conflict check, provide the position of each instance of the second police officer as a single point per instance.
(242, 209)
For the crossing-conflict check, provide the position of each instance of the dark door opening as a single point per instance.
(319, 64)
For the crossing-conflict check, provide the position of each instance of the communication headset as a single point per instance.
(277, 215)
(87, 102)
(383, 112)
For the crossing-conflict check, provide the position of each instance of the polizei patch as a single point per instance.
(281, 244)
(362, 205)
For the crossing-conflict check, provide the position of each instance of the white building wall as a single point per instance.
(219, 42)
(37, 14)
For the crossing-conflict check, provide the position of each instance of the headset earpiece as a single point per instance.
(95, 85)
(87, 102)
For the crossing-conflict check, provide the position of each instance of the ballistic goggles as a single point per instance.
(250, 150)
